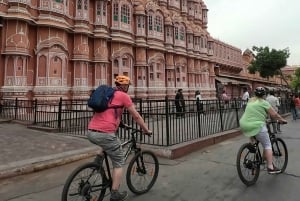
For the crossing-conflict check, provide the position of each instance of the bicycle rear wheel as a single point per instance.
(85, 183)
(142, 172)
(247, 164)
(280, 154)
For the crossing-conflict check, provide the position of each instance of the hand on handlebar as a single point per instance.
(283, 121)
(149, 133)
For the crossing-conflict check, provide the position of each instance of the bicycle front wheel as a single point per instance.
(247, 164)
(280, 154)
(142, 172)
(85, 183)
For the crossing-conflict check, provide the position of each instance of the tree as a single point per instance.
(295, 84)
(268, 62)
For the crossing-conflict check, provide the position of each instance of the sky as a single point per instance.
(245, 23)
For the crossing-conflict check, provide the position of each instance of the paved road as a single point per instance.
(208, 175)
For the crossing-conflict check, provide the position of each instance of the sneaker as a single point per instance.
(275, 170)
(118, 196)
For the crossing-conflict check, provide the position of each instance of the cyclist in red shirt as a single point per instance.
(103, 126)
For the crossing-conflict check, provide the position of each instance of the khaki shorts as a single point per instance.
(111, 144)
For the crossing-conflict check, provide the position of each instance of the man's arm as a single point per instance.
(138, 118)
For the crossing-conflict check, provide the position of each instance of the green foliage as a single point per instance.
(268, 62)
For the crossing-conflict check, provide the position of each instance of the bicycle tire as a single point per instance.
(247, 164)
(280, 154)
(84, 188)
(139, 169)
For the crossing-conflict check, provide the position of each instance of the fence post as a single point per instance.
(167, 121)
(198, 102)
(237, 111)
(59, 113)
(35, 111)
(220, 111)
(16, 108)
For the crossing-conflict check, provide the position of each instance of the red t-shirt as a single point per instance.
(297, 102)
(108, 121)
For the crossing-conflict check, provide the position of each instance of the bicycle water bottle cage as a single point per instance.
(251, 148)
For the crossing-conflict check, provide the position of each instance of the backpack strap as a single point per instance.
(115, 107)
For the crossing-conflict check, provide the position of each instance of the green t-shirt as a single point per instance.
(254, 117)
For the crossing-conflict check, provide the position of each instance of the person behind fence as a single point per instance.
(274, 102)
(225, 97)
(293, 107)
(245, 97)
(297, 105)
(199, 103)
(253, 124)
(179, 103)
(102, 128)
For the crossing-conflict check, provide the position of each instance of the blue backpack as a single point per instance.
(101, 97)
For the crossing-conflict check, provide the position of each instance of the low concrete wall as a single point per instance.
(177, 151)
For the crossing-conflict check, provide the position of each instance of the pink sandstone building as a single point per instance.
(65, 48)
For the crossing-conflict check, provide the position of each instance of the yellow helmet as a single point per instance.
(122, 79)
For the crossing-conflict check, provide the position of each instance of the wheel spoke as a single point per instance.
(84, 184)
(142, 172)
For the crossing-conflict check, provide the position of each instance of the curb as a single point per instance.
(45, 162)
(180, 150)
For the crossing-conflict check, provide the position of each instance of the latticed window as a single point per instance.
(79, 4)
(169, 32)
(140, 22)
(150, 22)
(116, 12)
(158, 24)
(182, 33)
(176, 33)
(101, 8)
(98, 8)
(85, 4)
(125, 14)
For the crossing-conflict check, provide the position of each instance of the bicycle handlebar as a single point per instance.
(278, 122)
(135, 130)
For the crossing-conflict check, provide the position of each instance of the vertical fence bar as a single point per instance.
(35, 111)
(16, 108)
(237, 111)
(167, 121)
(59, 113)
(198, 102)
(221, 113)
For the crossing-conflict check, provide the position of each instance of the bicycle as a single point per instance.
(91, 180)
(249, 158)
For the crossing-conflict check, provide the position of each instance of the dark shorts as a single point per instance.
(111, 144)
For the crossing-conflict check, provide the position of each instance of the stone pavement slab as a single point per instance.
(26, 150)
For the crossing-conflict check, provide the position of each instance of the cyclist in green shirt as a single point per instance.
(253, 124)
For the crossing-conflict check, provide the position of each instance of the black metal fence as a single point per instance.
(169, 128)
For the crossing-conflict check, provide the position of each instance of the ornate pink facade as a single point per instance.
(64, 48)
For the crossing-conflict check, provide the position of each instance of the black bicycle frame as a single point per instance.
(132, 146)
